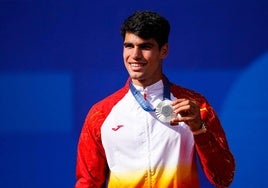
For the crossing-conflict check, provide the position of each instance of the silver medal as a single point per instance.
(164, 111)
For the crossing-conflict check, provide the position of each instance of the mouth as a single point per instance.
(136, 66)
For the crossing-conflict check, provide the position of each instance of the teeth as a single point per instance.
(136, 64)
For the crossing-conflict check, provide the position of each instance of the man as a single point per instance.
(151, 132)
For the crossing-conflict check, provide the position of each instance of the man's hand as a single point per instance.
(188, 112)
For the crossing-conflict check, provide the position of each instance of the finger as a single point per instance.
(181, 109)
(176, 118)
(177, 101)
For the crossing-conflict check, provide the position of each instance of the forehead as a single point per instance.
(135, 39)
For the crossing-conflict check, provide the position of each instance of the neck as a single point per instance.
(145, 83)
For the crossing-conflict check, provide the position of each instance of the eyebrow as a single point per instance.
(150, 44)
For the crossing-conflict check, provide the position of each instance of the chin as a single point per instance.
(137, 77)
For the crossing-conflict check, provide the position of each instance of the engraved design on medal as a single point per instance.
(164, 111)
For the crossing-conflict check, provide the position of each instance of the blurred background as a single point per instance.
(59, 57)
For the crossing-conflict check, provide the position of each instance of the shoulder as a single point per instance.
(206, 110)
(111, 100)
(182, 92)
(101, 109)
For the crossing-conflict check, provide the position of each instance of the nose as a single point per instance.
(136, 53)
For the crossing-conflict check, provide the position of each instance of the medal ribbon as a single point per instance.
(144, 103)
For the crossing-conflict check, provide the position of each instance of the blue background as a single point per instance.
(59, 57)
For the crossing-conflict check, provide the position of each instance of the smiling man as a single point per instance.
(151, 132)
(143, 59)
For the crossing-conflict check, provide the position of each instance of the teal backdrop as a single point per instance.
(58, 58)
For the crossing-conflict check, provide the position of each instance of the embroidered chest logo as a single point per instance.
(117, 127)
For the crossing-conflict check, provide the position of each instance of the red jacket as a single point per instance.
(211, 147)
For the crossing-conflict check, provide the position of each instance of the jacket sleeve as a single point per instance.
(212, 148)
(91, 166)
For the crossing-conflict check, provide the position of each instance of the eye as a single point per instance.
(128, 45)
(146, 46)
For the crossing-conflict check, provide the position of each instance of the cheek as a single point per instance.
(125, 55)
(150, 55)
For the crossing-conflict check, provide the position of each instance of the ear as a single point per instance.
(164, 50)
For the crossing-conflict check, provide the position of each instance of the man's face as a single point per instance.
(143, 59)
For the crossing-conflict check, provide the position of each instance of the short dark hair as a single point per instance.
(147, 24)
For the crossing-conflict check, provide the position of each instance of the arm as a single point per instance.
(212, 148)
(91, 167)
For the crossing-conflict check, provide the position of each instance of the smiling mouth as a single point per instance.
(137, 64)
